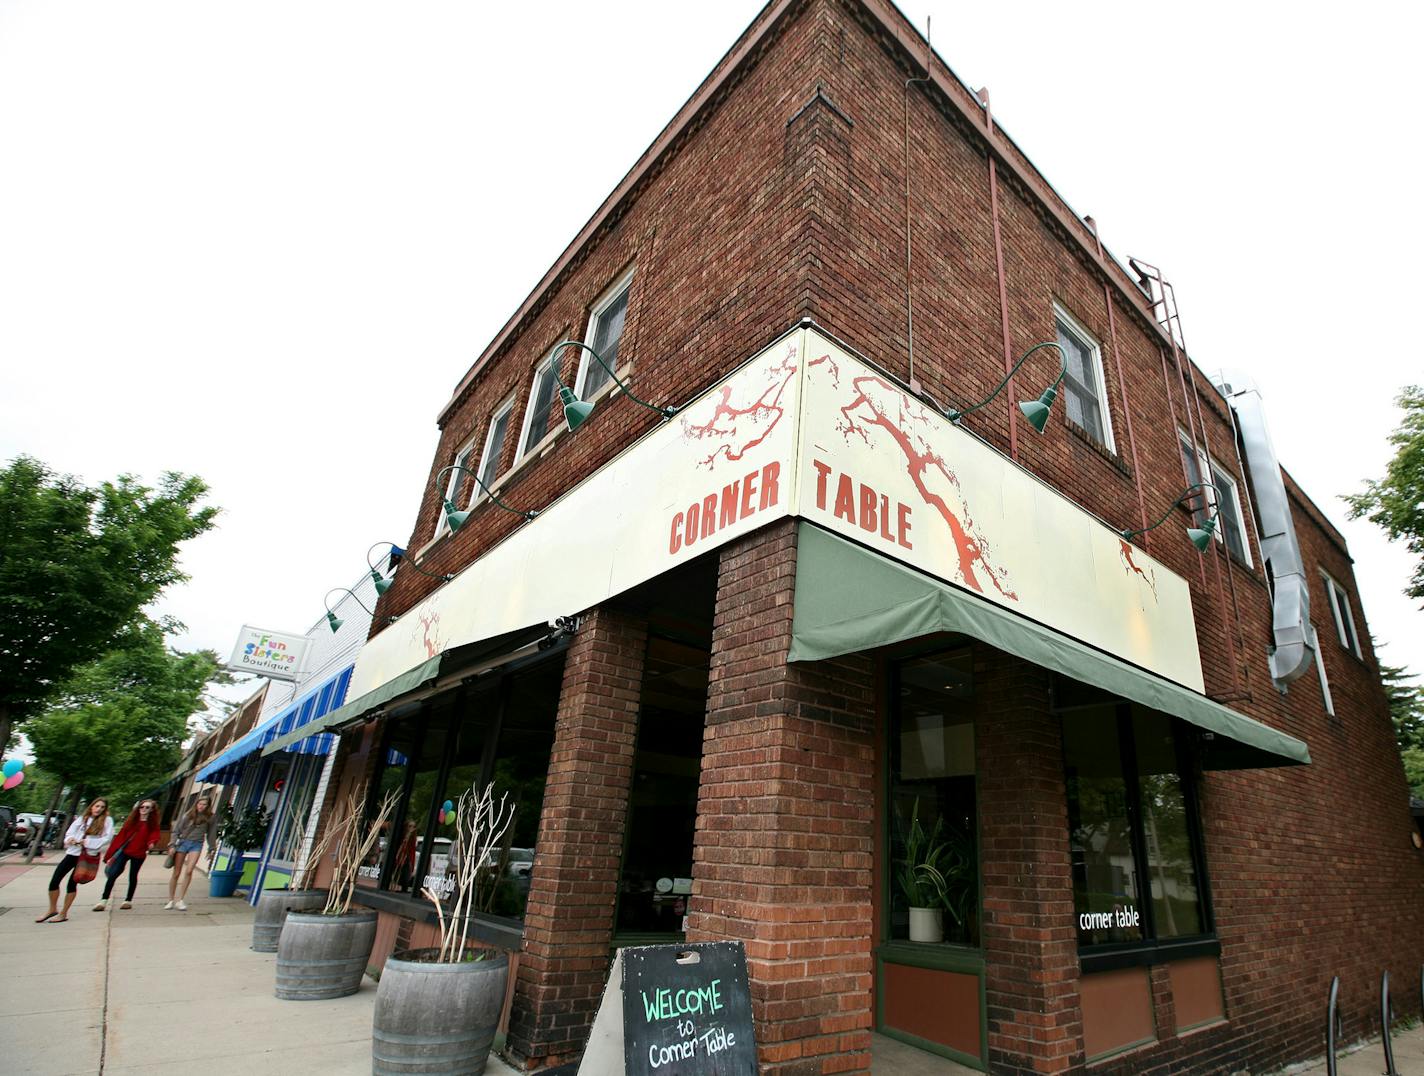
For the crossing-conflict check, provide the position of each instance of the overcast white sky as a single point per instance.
(262, 241)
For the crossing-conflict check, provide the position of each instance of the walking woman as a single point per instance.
(199, 824)
(130, 847)
(87, 835)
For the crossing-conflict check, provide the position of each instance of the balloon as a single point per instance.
(12, 767)
(13, 780)
(440, 817)
(448, 808)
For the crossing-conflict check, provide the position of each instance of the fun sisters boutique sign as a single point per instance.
(276, 655)
(804, 429)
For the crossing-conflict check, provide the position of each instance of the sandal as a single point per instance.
(62, 919)
(47, 915)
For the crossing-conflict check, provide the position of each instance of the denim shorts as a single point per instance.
(190, 846)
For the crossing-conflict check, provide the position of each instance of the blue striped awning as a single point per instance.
(227, 768)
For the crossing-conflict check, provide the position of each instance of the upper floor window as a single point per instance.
(1194, 466)
(1084, 389)
(458, 484)
(1231, 528)
(539, 416)
(1325, 698)
(1344, 618)
(605, 334)
(494, 443)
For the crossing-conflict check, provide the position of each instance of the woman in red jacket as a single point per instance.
(131, 846)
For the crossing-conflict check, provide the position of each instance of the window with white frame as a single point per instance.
(1320, 671)
(1084, 389)
(458, 484)
(605, 333)
(539, 415)
(1195, 465)
(1231, 527)
(1344, 617)
(495, 437)
(1191, 459)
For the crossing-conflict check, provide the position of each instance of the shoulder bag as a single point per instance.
(88, 867)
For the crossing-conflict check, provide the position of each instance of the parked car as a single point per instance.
(7, 827)
(26, 826)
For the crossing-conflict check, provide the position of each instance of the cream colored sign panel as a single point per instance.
(878, 466)
(719, 469)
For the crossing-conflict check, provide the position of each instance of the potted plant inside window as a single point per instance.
(241, 833)
(323, 953)
(299, 896)
(437, 1009)
(934, 876)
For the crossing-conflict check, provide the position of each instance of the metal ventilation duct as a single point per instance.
(1294, 651)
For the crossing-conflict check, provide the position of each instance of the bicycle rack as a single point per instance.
(1332, 1026)
(1385, 1013)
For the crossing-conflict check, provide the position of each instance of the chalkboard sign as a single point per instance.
(687, 1011)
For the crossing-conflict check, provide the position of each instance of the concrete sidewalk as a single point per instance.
(1367, 1058)
(150, 991)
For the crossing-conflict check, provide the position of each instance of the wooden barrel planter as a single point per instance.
(437, 1017)
(272, 908)
(323, 956)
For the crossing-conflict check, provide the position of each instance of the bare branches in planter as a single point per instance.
(480, 828)
(437, 1009)
(274, 904)
(355, 841)
(323, 954)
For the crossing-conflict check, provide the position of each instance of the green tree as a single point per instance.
(1406, 705)
(76, 566)
(117, 725)
(1414, 770)
(1396, 502)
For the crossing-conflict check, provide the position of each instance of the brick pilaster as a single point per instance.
(1031, 950)
(568, 922)
(785, 818)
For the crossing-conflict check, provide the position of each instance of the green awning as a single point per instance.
(406, 682)
(849, 599)
(498, 648)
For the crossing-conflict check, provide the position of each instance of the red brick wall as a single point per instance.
(568, 922)
(778, 203)
(785, 819)
(1031, 988)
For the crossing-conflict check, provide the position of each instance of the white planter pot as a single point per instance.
(927, 924)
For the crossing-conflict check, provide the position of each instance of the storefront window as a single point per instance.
(292, 819)
(1104, 868)
(1171, 871)
(415, 752)
(433, 758)
(1131, 817)
(520, 771)
(933, 811)
(662, 809)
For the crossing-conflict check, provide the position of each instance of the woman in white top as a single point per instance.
(90, 832)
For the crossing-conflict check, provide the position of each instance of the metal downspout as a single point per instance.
(1295, 641)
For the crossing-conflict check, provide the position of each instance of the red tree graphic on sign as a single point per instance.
(1126, 554)
(878, 403)
(430, 633)
(741, 426)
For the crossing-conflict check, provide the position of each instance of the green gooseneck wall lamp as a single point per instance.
(333, 621)
(576, 411)
(1036, 411)
(1200, 536)
(397, 556)
(454, 517)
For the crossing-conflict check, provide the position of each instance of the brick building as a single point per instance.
(813, 625)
